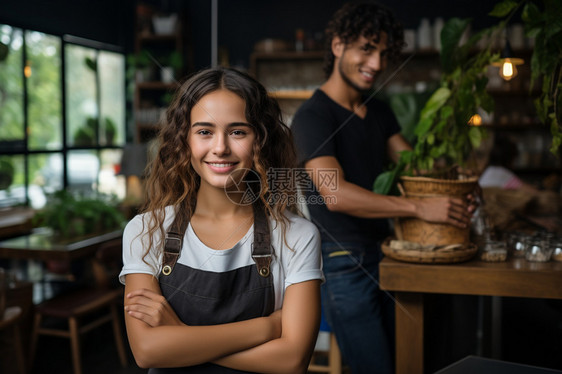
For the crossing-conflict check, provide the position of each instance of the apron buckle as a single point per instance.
(262, 262)
(172, 248)
(166, 270)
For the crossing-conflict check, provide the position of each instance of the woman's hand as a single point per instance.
(151, 308)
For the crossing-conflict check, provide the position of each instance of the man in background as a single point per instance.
(342, 133)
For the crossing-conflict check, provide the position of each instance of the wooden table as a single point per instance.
(15, 221)
(515, 277)
(41, 244)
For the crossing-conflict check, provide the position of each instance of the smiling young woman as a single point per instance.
(219, 276)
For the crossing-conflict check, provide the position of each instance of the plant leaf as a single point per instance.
(430, 139)
(91, 64)
(384, 182)
(531, 15)
(4, 50)
(446, 112)
(552, 12)
(502, 9)
(475, 136)
(435, 102)
(423, 126)
(450, 37)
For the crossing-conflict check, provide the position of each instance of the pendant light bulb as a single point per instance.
(508, 70)
(507, 63)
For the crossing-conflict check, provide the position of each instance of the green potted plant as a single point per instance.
(7, 172)
(110, 130)
(4, 50)
(70, 215)
(171, 65)
(85, 135)
(444, 137)
(439, 162)
(139, 66)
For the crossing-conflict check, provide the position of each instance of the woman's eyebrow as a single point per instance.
(237, 124)
(210, 124)
(203, 124)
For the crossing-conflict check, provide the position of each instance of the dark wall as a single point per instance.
(242, 23)
(106, 21)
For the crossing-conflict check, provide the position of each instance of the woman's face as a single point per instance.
(221, 139)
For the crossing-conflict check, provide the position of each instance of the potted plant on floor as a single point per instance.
(439, 164)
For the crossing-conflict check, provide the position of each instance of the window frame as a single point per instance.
(65, 149)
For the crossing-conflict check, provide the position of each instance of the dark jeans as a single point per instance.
(358, 312)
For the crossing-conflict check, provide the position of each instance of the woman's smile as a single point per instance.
(221, 166)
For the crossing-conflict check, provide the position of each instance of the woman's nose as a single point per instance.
(220, 144)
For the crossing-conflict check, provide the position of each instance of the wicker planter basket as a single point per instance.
(462, 254)
(416, 230)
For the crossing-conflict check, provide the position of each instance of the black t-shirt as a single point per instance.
(321, 127)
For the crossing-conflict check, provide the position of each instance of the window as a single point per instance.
(62, 116)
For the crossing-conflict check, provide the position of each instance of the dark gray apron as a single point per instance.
(209, 298)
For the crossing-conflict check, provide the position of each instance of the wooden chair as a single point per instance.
(10, 319)
(326, 360)
(98, 304)
(326, 357)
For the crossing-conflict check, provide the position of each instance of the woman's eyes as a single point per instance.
(233, 132)
(238, 132)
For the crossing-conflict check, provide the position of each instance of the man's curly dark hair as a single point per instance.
(362, 18)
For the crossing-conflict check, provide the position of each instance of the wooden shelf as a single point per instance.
(156, 85)
(516, 127)
(288, 55)
(150, 96)
(292, 94)
(153, 38)
(148, 125)
(536, 170)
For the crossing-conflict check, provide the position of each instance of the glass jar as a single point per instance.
(517, 244)
(538, 250)
(556, 247)
(493, 251)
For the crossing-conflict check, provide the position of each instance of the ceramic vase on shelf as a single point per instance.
(437, 27)
(164, 25)
(424, 35)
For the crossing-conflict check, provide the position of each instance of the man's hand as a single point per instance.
(151, 308)
(450, 210)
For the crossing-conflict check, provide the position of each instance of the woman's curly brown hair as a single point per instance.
(367, 19)
(172, 181)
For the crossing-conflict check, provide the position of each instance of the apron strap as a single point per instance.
(172, 245)
(261, 247)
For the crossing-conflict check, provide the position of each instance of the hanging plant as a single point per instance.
(545, 25)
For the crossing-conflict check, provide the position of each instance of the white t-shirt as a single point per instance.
(297, 261)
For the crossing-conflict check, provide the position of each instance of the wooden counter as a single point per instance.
(515, 277)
